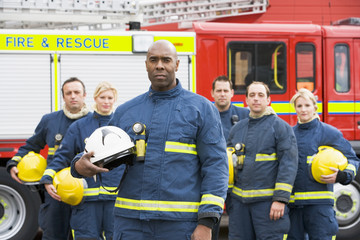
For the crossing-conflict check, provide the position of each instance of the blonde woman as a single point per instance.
(93, 218)
(311, 205)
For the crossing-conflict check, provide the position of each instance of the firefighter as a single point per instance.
(54, 216)
(177, 188)
(264, 181)
(311, 205)
(222, 92)
(93, 217)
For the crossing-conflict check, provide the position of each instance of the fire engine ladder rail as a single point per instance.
(117, 13)
(67, 13)
(161, 12)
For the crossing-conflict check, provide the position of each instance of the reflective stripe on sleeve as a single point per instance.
(99, 191)
(212, 199)
(16, 158)
(284, 187)
(49, 172)
(351, 167)
(309, 159)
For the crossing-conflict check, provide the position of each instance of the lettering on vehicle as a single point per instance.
(65, 43)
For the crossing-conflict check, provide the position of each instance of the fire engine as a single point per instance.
(287, 56)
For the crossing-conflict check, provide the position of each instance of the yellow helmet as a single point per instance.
(31, 167)
(70, 189)
(327, 157)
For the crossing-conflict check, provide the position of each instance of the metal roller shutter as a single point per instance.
(126, 72)
(25, 93)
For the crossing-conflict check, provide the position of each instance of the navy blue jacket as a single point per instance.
(227, 118)
(309, 137)
(271, 159)
(74, 143)
(50, 125)
(185, 173)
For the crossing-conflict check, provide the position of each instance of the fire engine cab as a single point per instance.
(290, 56)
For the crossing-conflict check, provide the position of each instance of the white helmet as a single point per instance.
(110, 143)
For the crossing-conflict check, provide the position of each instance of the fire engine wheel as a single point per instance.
(19, 208)
(348, 210)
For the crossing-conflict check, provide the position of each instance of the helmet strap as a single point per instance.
(121, 181)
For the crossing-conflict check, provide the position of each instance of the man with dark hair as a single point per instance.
(222, 92)
(54, 216)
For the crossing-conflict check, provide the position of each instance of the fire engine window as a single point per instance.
(342, 78)
(257, 61)
(305, 66)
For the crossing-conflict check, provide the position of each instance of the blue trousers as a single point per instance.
(250, 221)
(135, 229)
(54, 219)
(318, 221)
(93, 220)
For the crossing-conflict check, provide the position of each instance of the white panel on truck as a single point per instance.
(25, 93)
(126, 72)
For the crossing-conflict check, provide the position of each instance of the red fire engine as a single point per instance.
(287, 56)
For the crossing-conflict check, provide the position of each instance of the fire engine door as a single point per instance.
(356, 68)
(341, 86)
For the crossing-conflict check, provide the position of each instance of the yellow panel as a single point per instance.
(182, 44)
(16, 42)
(281, 107)
(341, 107)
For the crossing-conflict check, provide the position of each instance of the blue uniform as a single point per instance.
(267, 175)
(94, 215)
(311, 204)
(227, 118)
(54, 216)
(184, 175)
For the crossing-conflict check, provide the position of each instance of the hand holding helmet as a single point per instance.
(330, 178)
(326, 164)
(110, 147)
(31, 168)
(84, 166)
(69, 189)
(14, 174)
(50, 188)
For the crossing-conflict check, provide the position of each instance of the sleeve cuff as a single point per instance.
(342, 177)
(208, 221)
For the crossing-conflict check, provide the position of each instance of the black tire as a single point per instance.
(19, 209)
(349, 216)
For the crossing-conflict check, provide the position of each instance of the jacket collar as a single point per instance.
(308, 125)
(268, 111)
(166, 94)
(84, 111)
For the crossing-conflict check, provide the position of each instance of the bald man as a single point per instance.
(177, 192)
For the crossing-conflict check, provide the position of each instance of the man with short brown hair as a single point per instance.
(54, 216)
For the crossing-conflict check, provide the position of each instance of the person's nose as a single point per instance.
(159, 65)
